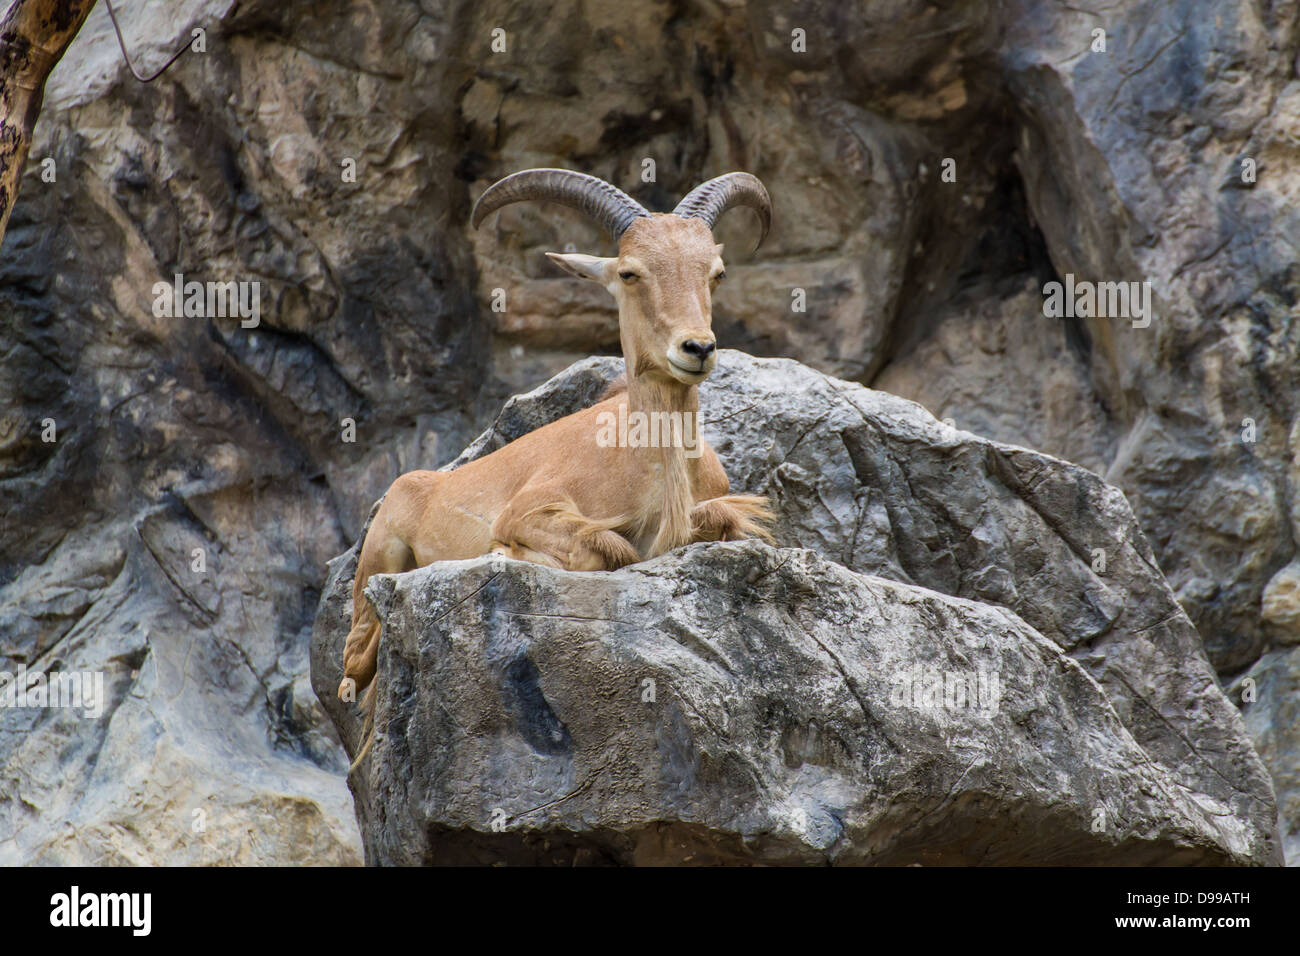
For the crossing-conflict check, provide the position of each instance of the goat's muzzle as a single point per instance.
(692, 357)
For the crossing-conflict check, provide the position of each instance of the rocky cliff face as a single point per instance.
(176, 435)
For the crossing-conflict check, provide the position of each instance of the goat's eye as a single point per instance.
(628, 277)
(720, 276)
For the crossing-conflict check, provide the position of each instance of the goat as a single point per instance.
(557, 495)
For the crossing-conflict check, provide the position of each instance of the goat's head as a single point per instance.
(667, 264)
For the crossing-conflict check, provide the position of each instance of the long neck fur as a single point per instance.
(646, 394)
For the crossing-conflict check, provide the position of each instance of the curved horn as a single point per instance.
(710, 200)
(608, 205)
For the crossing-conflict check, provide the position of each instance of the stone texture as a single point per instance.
(1281, 605)
(733, 703)
(1117, 165)
(1273, 719)
(864, 479)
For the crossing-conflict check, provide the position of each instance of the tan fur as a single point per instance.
(557, 497)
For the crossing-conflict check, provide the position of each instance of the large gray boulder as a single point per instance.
(505, 688)
(733, 703)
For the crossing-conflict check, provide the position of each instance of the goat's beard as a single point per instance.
(649, 391)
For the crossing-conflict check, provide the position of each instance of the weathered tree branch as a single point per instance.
(33, 37)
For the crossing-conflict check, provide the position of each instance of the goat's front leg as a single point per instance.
(731, 518)
(545, 526)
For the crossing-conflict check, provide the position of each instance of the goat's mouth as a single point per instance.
(691, 376)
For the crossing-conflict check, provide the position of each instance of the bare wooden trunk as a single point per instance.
(33, 36)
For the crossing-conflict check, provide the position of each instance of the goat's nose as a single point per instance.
(701, 350)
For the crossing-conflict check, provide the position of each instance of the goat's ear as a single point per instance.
(584, 267)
